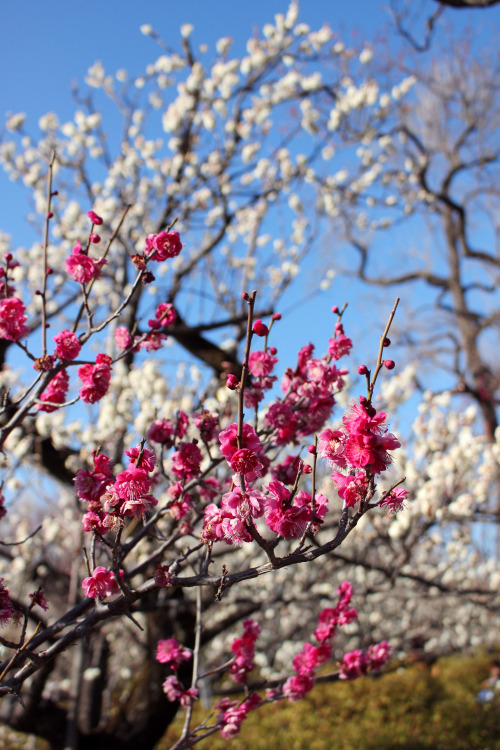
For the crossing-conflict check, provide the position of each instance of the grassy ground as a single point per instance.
(412, 709)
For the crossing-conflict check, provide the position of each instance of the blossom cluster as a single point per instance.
(244, 652)
(111, 499)
(172, 653)
(101, 583)
(354, 663)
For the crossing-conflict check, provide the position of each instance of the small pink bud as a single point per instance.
(94, 218)
(95, 239)
(50, 215)
(49, 271)
(245, 296)
(363, 400)
(363, 370)
(276, 316)
(390, 364)
(8, 257)
(306, 469)
(232, 382)
(335, 310)
(260, 328)
(55, 192)
(273, 350)
(387, 342)
(312, 449)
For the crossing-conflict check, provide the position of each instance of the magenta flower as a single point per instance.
(147, 458)
(395, 501)
(296, 687)
(67, 345)
(289, 521)
(232, 715)
(220, 525)
(91, 485)
(351, 488)
(6, 607)
(165, 244)
(261, 363)
(55, 392)
(251, 504)
(123, 339)
(378, 654)
(96, 379)
(244, 652)
(137, 507)
(39, 598)
(260, 328)
(353, 665)
(311, 657)
(186, 461)
(207, 423)
(80, 266)
(174, 690)
(228, 439)
(165, 315)
(132, 484)
(246, 462)
(101, 583)
(161, 431)
(172, 653)
(94, 218)
(12, 319)
(339, 347)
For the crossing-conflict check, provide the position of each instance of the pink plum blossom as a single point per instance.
(12, 319)
(163, 245)
(171, 652)
(67, 345)
(95, 378)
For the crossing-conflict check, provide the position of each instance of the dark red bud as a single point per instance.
(260, 328)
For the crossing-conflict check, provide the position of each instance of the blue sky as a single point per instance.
(45, 46)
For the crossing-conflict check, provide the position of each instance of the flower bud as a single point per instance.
(94, 218)
(260, 328)
(232, 382)
(390, 364)
(363, 370)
